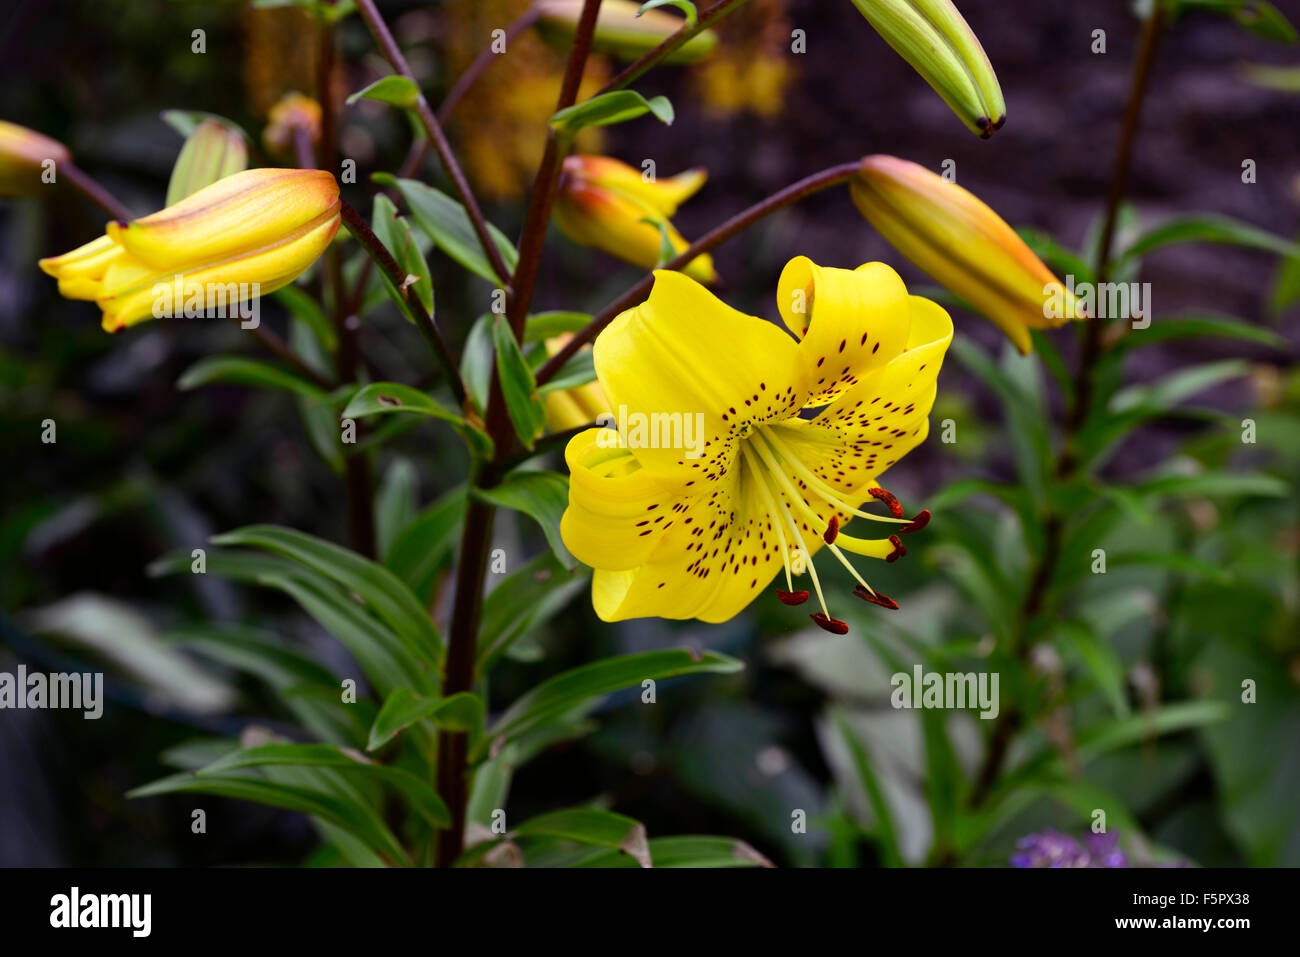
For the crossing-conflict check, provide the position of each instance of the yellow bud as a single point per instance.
(620, 32)
(255, 231)
(935, 39)
(576, 407)
(611, 206)
(965, 245)
(23, 154)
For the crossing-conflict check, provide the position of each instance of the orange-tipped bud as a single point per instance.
(248, 234)
(25, 157)
(964, 245)
(609, 205)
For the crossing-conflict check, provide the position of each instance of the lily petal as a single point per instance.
(848, 321)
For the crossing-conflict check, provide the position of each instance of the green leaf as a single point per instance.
(353, 817)
(578, 370)
(372, 583)
(384, 658)
(517, 384)
(398, 91)
(608, 108)
(382, 398)
(546, 325)
(557, 695)
(402, 708)
(521, 603)
(1174, 388)
(426, 542)
(309, 691)
(1209, 229)
(423, 798)
(307, 309)
(685, 851)
(591, 826)
(687, 8)
(1022, 408)
(395, 502)
(185, 122)
(448, 225)
(1099, 659)
(1255, 16)
(885, 831)
(1213, 485)
(477, 360)
(395, 233)
(1208, 325)
(543, 496)
(234, 370)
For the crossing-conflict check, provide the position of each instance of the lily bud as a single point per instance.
(247, 234)
(575, 407)
(963, 244)
(620, 32)
(293, 111)
(609, 205)
(212, 152)
(23, 153)
(935, 39)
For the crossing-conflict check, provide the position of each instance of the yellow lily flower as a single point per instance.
(621, 30)
(714, 482)
(572, 408)
(965, 245)
(22, 153)
(246, 235)
(609, 205)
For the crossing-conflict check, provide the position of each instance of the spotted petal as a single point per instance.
(849, 321)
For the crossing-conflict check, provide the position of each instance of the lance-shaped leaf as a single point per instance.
(448, 225)
(381, 398)
(541, 495)
(236, 370)
(557, 695)
(609, 108)
(402, 708)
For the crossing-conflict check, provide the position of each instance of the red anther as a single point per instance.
(922, 519)
(898, 552)
(878, 598)
(886, 496)
(792, 597)
(833, 625)
(832, 529)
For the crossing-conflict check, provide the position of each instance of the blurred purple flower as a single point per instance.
(1054, 849)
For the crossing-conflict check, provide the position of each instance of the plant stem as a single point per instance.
(1094, 345)
(673, 43)
(482, 62)
(424, 321)
(475, 543)
(393, 54)
(90, 189)
(453, 748)
(715, 237)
